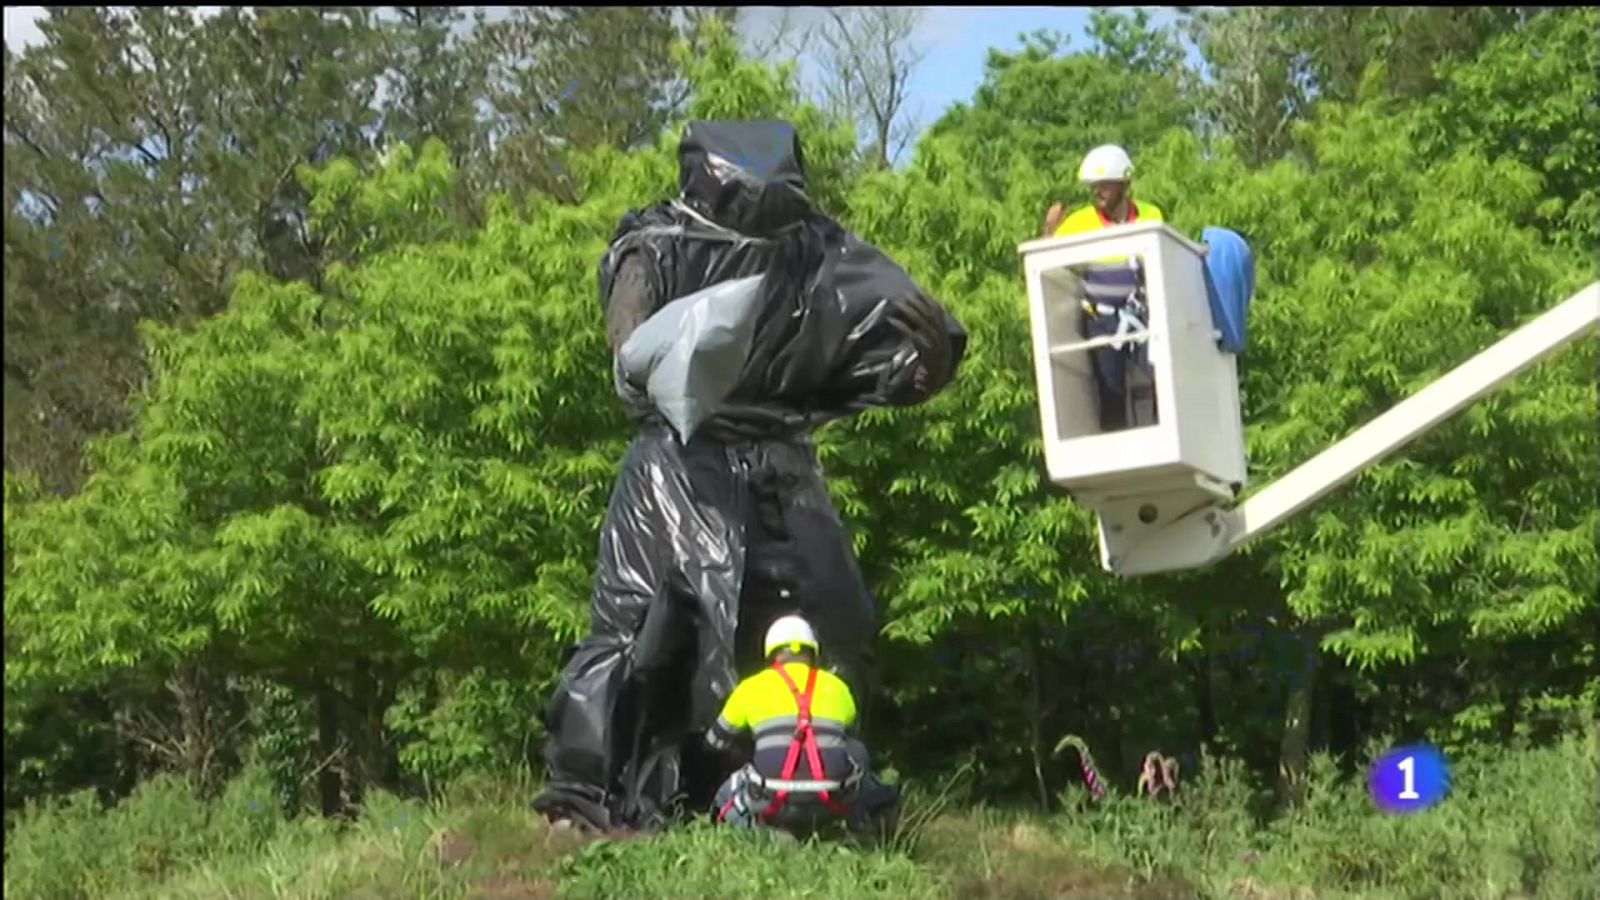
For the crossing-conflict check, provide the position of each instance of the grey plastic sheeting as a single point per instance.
(691, 353)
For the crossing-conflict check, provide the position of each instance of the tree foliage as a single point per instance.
(1533, 95)
(152, 157)
(1269, 65)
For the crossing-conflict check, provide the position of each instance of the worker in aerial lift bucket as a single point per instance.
(1113, 286)
(806, 770)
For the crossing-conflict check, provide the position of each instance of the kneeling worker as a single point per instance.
(806, 769)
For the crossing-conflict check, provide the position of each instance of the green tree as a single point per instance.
(150, 158)
(1259, 82)
(1531, 96)
(565, 79)
(435, 78)
(1378, 270)
(348, 491)
(1267, 66)
(287, 486)
(1409, 42)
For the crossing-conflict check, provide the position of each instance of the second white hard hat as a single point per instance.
(791, 631)
(1107, 162)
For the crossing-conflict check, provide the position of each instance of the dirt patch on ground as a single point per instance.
(510, 858)
(514, 855)
(1061, 880)
(1028, 862)
(493, 842)
(1251, 889)
(453, 849)
(506, 888)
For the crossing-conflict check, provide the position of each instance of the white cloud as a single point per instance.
(939, 26)
(22, 24)
(945, 26)
(22, 27)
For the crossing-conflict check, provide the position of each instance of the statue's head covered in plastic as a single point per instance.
(746, 176)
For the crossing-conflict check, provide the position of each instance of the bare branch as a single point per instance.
(868, 55)
(340, 750)
(786, 40)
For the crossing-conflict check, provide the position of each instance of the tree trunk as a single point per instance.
(1107, 695)
(1036, 714)
(1512, 698)
(130, 755)
(1342, 709)
(358, 768)
(190, 691)
(1205, 708)
(1297, 723)
(369, 762)
(330, 787)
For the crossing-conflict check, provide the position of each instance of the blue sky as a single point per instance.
(955, 39)
(958, 39)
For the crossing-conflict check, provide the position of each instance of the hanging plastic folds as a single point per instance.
(765, 320)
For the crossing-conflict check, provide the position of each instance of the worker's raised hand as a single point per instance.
(1052, 218)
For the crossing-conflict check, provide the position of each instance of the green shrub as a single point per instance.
(77, 848)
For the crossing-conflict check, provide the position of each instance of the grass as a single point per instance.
(1517, 825)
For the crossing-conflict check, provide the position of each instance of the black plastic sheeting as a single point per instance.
(706, 541)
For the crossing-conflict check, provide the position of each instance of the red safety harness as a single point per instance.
(804, 738)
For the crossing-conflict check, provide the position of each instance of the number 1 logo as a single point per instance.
(1409, 766)
(1409, 779)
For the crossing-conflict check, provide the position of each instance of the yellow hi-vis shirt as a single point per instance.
(1088, 218)
(763, 704)
(1108, 280)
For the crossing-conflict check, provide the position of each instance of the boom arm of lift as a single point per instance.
(1207, 535)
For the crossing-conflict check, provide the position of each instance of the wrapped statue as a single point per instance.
(740, 319)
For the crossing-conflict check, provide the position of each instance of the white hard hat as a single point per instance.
(1108, 162)
(792, 631)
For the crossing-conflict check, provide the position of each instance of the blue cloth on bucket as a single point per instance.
(1230, 271)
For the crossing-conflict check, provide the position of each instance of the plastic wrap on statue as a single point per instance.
(720, 520)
